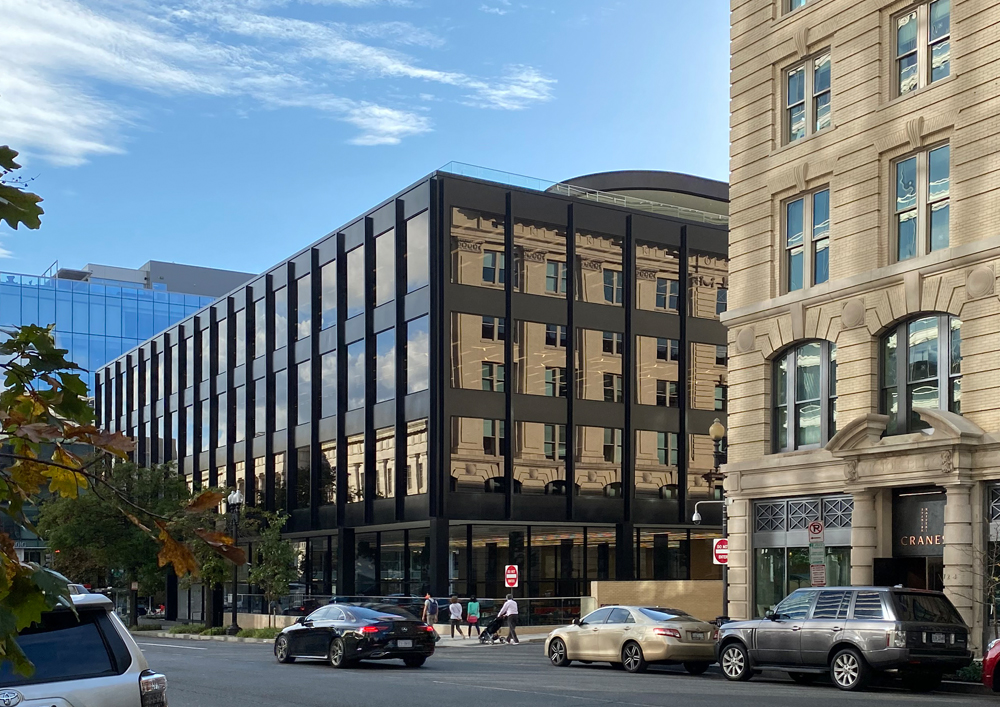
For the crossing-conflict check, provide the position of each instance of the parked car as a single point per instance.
(343, 634)
(86, 658)
(635, 636)
(851, 633)
(990, 665)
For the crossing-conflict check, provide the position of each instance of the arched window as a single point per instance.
(613, 490)
(805, 396)
(498, 484)
(921, 367)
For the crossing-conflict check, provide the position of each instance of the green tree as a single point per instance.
(93, 540)
(44, 415)
(274, 568)
(17, 205)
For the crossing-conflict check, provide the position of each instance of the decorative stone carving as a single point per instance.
(746, 340)
(591, 264)
(645, 274)
(470, 246)
(947, 462)
(800, 173)
(853, 314)
(915, 132)
(535, 256)
(851, 470)
(980, 282)
(801, 39)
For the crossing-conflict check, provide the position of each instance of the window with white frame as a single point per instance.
(613, 342)
(555, 442)
(666, 393)
(807, 97)
(922, 198)
(555, 277)
(805, 396)
(667, 293)
(667, 349)
(666, 448)
(789, 5)
(922, 45)
(613, 392)
(807, 240)
(494, 375)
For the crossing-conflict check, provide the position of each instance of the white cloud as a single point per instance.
(492, 10)
(71, 58)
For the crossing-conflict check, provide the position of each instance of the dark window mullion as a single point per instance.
(902, 380)
(944, 363)
(824, 393)
(790, 402)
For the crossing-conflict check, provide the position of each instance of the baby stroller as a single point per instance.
(491, 634)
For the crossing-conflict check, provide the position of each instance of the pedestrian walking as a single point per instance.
(455, 617)
(430, 613)
(472, 614)
(509, 610)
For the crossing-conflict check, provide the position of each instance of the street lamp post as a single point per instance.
(234, 503)
(717, 432)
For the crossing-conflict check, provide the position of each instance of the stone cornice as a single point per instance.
(954, 258)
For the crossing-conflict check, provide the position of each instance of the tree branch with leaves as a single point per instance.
(45, 417)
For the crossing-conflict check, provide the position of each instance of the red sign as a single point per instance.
(720, 551)
(510, 576)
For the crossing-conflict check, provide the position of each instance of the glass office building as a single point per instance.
(480, 371)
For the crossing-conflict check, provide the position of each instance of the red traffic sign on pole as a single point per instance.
(720, 551)
(510, 576)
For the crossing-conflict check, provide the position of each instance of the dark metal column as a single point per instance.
(625, 544)
(570, 381)
(371, 361)
(399, 462)
(510, 268)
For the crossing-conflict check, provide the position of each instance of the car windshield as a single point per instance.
(666, 615)
(932, 608)
(62, 648)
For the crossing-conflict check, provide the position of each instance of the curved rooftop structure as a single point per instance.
(682, 190)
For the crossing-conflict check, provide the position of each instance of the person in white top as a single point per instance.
(509, 609)
(455, 617)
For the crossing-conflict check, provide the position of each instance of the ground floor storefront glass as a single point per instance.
(781, 546)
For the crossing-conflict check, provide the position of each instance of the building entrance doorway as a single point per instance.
(910, 572)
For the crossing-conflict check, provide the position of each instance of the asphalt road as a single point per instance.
(210, 674)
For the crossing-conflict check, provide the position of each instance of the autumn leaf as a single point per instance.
(64, 482)
(206, 501)
(113, 442)
(223, 545)
(37, 432)
(80, 431)
(175, 553)
(66, 458)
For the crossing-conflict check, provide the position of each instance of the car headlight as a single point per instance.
(991, 644)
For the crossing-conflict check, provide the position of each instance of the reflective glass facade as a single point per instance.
(96, 320)
(484, 385)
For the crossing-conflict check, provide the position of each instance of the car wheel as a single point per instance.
(414, 661)
(696, 668)
(557, 653)
(849, 670)
(632, 658)
(803, 678)
(921, 682)
(281, 650)
(735, 662)
(338, 653)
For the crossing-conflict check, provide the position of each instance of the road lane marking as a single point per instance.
(171, 645)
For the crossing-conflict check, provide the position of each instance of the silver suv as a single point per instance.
(850, 633)
(85, 660)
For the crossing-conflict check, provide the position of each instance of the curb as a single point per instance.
(198, 637)
(270, 641)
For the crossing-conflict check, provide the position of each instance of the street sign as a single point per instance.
(510, 576)
(817, 553)
(720, 551)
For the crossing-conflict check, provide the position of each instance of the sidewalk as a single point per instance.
(443, 631)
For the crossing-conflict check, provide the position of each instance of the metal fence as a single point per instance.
(532, 611)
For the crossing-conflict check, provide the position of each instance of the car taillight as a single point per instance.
(152, 689)
(370, 629)
(429, 629)
(715, 635)
(672, 632)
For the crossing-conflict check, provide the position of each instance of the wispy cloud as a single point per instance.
(56, 98)
(501, 10)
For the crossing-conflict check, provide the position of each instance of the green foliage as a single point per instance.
(17, 205)
(187, 628)
(45, 419)
(147, 627)
(275, 567)
(268, 633)
(971, 673)
(214, 631)
(96, 542)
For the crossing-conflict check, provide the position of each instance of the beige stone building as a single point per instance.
(864, 334)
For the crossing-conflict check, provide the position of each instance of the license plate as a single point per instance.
(697, 635)
(405, 643)
(937, 638)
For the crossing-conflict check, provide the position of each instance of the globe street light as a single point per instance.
(717, 432)
(233, 504)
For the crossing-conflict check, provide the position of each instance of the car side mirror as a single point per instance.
(577, 622)
(769, 614)
(300, 620)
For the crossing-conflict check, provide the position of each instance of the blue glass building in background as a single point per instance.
(101, 311)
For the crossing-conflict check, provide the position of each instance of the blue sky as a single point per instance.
(229, 133)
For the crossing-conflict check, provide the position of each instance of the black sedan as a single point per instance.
(344, 634)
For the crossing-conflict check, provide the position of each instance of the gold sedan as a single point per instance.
(635, 636)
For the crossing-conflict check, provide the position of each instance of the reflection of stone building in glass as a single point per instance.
(469, 376)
